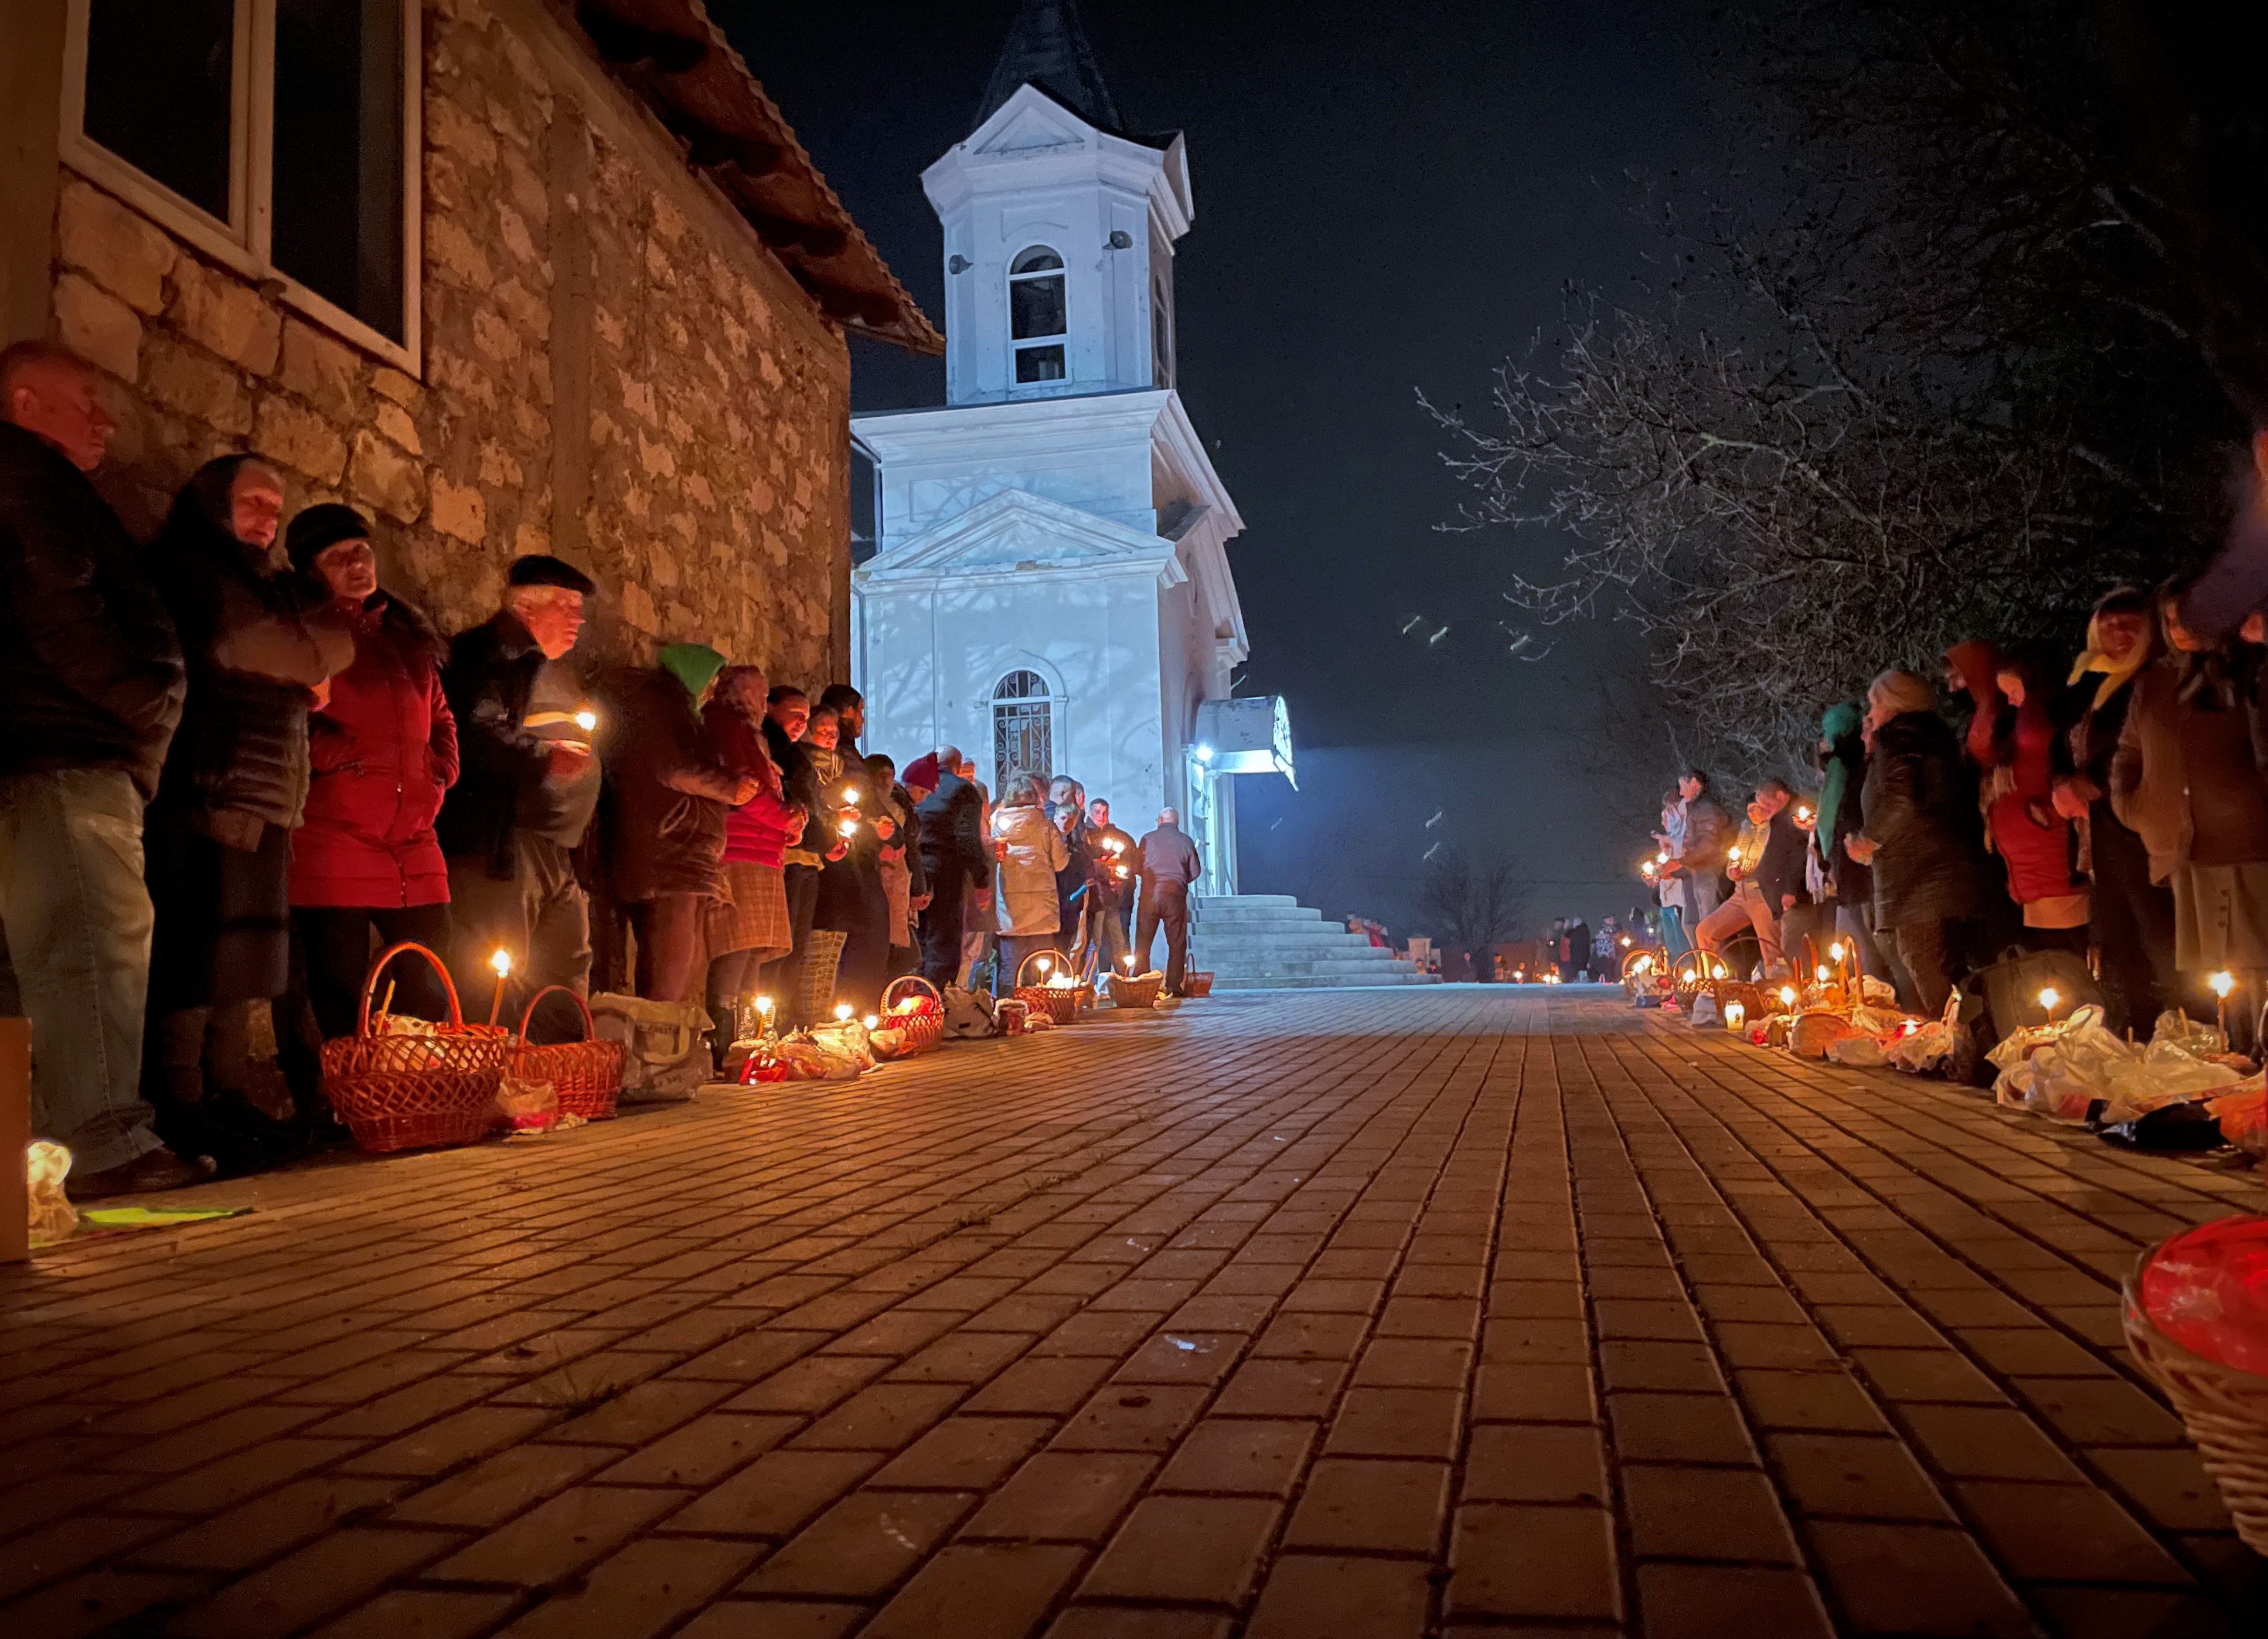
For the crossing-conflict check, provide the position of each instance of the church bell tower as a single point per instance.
(1059, 229)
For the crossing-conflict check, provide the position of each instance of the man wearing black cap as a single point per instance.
(526, 789)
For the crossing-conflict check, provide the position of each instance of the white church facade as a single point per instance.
(1050, 587)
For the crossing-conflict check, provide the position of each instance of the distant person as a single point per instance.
(1030, 850)
(1170, 864)
(1708, 835)
(955, 858)
(1114, 891)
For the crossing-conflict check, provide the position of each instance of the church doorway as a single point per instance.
(1023, 729)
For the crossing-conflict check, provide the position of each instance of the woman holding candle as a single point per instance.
(753, 926)
(1030, 851)
(383, 750)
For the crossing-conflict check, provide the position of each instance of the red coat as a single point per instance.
(383, 751)
(758, 830)
(2026, 831)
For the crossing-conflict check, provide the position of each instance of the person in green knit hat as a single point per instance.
(666, 844)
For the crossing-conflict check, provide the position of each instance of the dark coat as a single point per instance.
(490, 673)
(1780, 872)
(1709, 835)
(669, 796)
(384, 751)
(1920, 809)
(90, 671)
(951, 823)
(2184, 777)
(256, 645)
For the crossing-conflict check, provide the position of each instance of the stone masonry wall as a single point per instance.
(613, 370)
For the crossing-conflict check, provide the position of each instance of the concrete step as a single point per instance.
(1270, 941)
(1295, 981)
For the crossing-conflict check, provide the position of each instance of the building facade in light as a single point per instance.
(1050, 587)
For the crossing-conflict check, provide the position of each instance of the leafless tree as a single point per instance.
(1472, 905)
(1943, 376)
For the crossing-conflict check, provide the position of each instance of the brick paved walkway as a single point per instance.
(1373, 1314)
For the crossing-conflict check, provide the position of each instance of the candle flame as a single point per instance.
(586, 721)
(1788, 995)
(501, 962)
(2049, 998)
(870, 1021)
(841, 1011)
(2222, 983)
(764, 1005)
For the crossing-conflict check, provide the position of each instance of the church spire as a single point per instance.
(1047, 47)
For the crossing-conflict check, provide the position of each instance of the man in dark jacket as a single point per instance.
(1169, 865)
(91, 683)
(1113, 854)
(954, 857)
(527, 786)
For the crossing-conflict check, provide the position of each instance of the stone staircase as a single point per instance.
(1270, 941)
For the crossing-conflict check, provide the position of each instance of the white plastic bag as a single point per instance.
(2164, 1074)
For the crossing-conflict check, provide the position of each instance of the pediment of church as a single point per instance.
(1030, 122)
(1013, 531)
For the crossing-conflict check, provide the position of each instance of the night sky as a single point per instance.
(1387, 198)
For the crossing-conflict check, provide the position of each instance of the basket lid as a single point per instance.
(2207, 1289)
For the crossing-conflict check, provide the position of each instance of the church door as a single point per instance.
(1023, 729)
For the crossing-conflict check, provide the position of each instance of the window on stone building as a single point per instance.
(279, 137)
(1023, 729)
(1039, 316)
(1161, 336)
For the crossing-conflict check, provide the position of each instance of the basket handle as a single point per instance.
(1052, 957)
(370, 985)
(890, 990)
(590, 1029)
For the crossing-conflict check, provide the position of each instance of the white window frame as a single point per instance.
(242, 243)
(1019, 344)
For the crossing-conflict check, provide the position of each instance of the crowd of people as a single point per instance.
(234, 768)
(2112, 805)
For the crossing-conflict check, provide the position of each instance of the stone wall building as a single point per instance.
(509, 274)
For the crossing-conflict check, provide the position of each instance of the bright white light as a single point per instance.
(501, 962)
(2222, 983)
(1204, 754)
(841, 1011)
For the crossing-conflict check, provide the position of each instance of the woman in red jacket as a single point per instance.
(755, 927)
(2013, 739)
(383, 748)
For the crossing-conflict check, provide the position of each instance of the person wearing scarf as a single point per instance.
(261, 652)
(2185, 780)
(2131, 920)
(1851, 885)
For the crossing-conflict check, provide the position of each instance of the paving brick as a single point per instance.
(776, 1494)
(863, 1546)
(267, 1525)
(559, 1536)
(494, 1490)
(1311, 1597)
(1533, 1393)
(1987, 1443)
(1061, 1497)
(1190, 1549)
(1679, 1429)
(423, 1613)
(1534, 1463)
(326, 1577)
(1854, 1477)
(1824, 1401)
(1729, 1602)
(1372, 1506)
(1511, 1561)
(1705, 1514)
(1916, 1579)
(979, 1591)
(639, 1591)
(1396, 1422)
(703, 1450)
(2064, 1532)
(1240, 1456)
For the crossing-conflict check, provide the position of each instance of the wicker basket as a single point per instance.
(1131, 991)
(414, 1092)
(1059, 1002)
(1197, 985)
(2224, 1409)
(921, 1031)
(823, 954)
(587, 1074)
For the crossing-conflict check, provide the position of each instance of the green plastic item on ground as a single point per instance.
(155, 1217)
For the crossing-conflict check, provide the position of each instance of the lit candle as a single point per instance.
(870, 1021)
(2221, 984)
(1045, 963)
(849, 793)
(2049, 998)
(1787, 996)
(586, 721)
(842, 1012)
(1822, 973)
(1736, 1015)
(1130, 967)
(501, 962)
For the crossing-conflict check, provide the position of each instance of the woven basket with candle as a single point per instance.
(587, 1074)
(402, 1084)
(1135, 990)
(1056, 994)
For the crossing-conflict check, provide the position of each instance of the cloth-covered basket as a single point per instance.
(1059, 1002)
(403, 1091)
(1132, 990)
(587, 1074)
(921, 1028)
(2224, 1408)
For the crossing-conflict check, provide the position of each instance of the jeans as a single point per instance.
(76, 913)
(541, 916)
(1673, 941)
(1109, 936)
(1166, 903)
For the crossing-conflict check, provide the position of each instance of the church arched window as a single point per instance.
(1038, 313)
(1023, 729)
